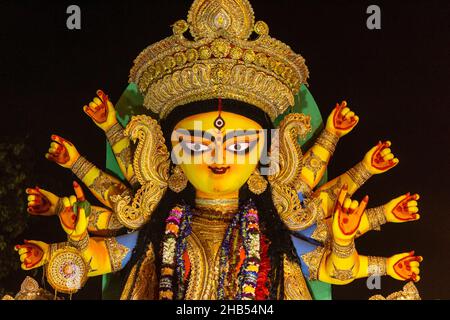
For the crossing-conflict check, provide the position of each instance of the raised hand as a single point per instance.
(404, 266)
(347, 216)
(41, 202)
(380, 158)
(33, 254)
(101, 111)
(402, 209)
(73, 216)
(62, 151)
(341, 120)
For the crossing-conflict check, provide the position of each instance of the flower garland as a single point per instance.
(178, 228)
(173, 222)
(251, 241)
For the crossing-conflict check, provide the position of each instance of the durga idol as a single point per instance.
(218, 188)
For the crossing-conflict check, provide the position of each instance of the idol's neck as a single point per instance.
(224, 203)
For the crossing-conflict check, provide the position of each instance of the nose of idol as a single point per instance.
(217, 154)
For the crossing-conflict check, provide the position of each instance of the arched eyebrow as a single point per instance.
(196, 134)
(239, 133)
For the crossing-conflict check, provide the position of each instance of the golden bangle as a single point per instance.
(81, 244)
(328, 141)
(343, 252)
(359, 174)
(376, 217)
(115, 134)
(81, 167)
(376, 266)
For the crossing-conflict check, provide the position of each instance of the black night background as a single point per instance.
(395, 79)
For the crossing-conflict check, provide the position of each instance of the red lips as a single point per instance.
(218, 170)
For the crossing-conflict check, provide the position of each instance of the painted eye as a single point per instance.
(196, 146)
(238, 147)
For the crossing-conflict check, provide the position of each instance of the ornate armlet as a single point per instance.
(115, 134)
(376, 217)
(359, 174)
(343, 252)
(376, 266)
(313, 259)
(117, 252)
(328, 141)
(81, 167)
(81, 244)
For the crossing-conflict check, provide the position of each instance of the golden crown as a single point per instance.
(221, 61)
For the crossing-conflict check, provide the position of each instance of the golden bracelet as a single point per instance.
(328, 141)
(343, 252)
(359, 174)
(115, 134)
(81, 167)
(376, 266)
(81, 244)
(376, 217)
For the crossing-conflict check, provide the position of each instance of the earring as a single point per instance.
(256, 183)
(177, 181)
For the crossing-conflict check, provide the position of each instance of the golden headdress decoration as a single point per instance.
(221, 61)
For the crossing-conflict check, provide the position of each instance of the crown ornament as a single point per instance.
(220, 62)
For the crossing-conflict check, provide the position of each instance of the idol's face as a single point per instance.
(216, 159)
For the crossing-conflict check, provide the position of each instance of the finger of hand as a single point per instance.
(35, 203)
(102, 95)
(388, 157)
(82, 222)
(345, 111)
(31, 198)
(23, 250)
(363, 205)
(353, 205)
(416, 196)
(46, 193)
(349, 115)
(66, 202)
(347, 204)
(31, 191)
(78, 191)
(51, 157)
(412, 203)
(88, 111)
(97, 101)
(385, 152)
(72, 200)
(93, 105)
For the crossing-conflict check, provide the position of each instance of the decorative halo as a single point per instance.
(67, 271)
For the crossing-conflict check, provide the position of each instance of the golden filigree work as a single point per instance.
(286, 171)
(313, 259)
(117, 252)
(151, 168)
(409, 292)
(146, 283)
(221, 62)
(294, 283)
(203, 250)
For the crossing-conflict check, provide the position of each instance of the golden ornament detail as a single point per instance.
(256, 183)
(177, 181)
(67, 270)
(222, 62)
(151, 168)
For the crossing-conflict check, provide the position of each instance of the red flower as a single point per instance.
(262, 283)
